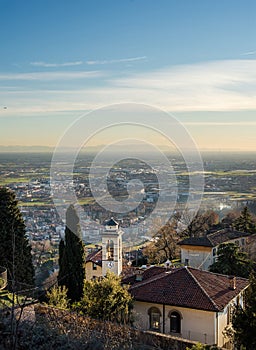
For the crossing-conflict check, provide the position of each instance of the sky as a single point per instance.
(193, 59)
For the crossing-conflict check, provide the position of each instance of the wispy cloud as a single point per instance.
(54, 65)
(207, 86)
(249, 53)
(62, 75)
(120, 60)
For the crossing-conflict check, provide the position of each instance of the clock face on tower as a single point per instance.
(110, 264)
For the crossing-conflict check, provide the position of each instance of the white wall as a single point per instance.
(196, 325)
(198, 257)
(116, 265)
(202, 257)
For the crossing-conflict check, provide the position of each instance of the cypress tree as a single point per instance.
(63, 268)
(15, 251)
(244, 222)
(71, 257)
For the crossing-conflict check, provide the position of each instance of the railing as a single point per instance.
(200, 337)
(3, 277)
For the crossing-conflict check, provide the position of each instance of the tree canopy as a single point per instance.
(15, 251)
(232, 261)
(201, 223)
(245, 222)
(71, 257)
(163, 245)
(106, 299)
(57, 297)
(244, 319)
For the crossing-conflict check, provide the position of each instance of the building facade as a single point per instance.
(188, 303)
(202, 252)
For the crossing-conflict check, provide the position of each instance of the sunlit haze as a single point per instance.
(193, 59)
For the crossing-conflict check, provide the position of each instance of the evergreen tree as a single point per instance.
(244, 222)
(15, 252)
(71, 257)
(62, 265)
(107, 300)
(231, 261)
(244, 320)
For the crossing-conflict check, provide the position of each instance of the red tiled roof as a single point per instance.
(188, 287)
(95, 257)
(148, 273)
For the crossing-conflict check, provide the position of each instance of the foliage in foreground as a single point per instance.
(106, 299)
(200, 346)
(15, 252)
(60, 329)
(244, 320)
(57, 296)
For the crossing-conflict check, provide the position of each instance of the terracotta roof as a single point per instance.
(95, 257)
(148, 273)
(188, 287)
(197, 241)
(215, 238)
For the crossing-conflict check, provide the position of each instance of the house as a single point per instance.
(109, 257)
(186, 302)
(201, 252)
(93, 265)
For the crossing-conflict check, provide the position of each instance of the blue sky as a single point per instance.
(195, 59)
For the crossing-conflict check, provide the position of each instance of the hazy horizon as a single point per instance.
(92, 149)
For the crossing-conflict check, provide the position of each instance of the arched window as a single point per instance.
(154, 318)
(110, 250)
(175, 322)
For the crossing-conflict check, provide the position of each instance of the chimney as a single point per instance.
(167, 264)
(232, 282)
(139, 275)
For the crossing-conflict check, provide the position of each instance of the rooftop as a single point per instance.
(148, 273)
(188, 287)
(95, 257)
(111, 222)
(215, 238)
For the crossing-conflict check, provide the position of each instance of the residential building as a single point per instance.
(186, 302)
(201, 252)
(93, 265)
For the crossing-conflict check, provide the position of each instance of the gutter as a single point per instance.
(164, 318)
(217, 329)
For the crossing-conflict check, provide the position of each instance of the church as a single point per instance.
(109, 257)
(184, 302)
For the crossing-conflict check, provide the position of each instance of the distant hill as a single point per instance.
(25, 149)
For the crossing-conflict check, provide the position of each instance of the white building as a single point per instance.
(187, 302)
(201, 252)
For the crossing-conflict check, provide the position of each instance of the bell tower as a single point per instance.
(111, 248)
